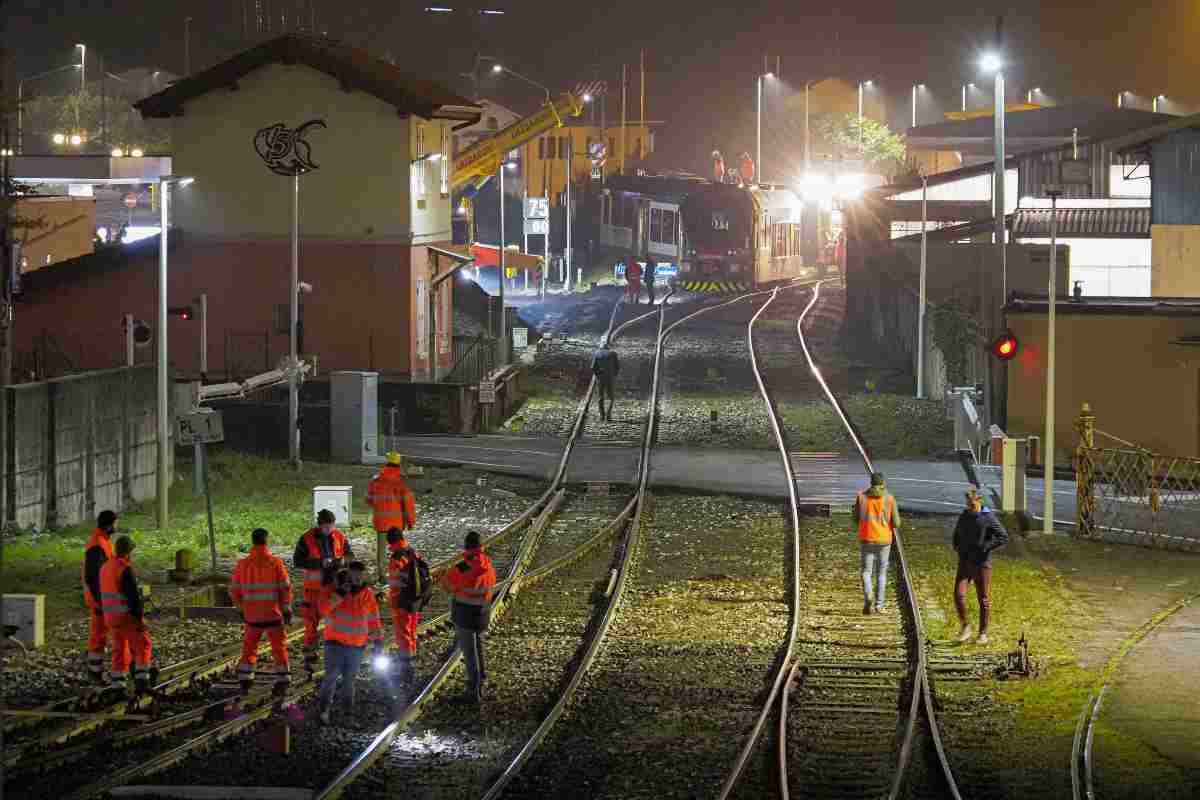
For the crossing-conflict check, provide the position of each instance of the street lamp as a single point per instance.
(1154, 105)
(758, 134)
(82, 79)
(861, 84)
(76, 140)
(498, 68)
(136, 152)
(20, 97)
(916, 88)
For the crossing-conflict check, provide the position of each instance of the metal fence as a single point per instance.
(78, 445)
(1134, 496)
(474, 357)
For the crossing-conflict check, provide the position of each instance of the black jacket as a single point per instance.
(302, 561)
(133, 596)
(605, 364)
(976, 536)
(93, 560)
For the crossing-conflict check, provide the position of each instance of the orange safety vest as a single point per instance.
(352, 619)
(112, 600)
(260, 586)
(397, 573)
(875, 518)
(392, 501)
(471, 580)
(104, 542)
(337, 545)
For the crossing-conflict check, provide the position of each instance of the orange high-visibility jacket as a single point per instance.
(97, 552)
(119, 596)
(308, 556)
(401, 593)
(471, 580)
(352, 619)
(876, 518)
(392, 500)
(260, 586)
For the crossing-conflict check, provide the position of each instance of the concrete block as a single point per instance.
(28, 613)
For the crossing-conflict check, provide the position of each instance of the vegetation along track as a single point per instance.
(852, 692)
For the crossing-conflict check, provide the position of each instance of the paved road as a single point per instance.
(924, 486)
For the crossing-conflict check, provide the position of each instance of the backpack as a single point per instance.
(418, 588)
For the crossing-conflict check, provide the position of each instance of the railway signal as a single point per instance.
(183, 312)
(1005, 346)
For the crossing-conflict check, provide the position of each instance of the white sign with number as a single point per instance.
(487, 393)
(200, 427)
(520, 338)
(537, 207)
(536, 227)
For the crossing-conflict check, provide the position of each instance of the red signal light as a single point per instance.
(1005, 346)
(183, 312)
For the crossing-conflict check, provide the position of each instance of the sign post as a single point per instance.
(537, 222)
(200, 428)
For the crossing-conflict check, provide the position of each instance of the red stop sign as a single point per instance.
(131, 200)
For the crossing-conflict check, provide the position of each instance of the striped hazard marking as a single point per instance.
(716, 287)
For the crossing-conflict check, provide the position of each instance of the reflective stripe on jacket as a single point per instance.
(119, 598)
(876, 517)
(313, 572)
(89, 571)
(392, 500)
(260, 586)
(470, 581)
(352, 619)
(401, 591)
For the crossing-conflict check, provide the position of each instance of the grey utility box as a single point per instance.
(27, 613)
(354, 417)
(1012, 482)
(338, 499)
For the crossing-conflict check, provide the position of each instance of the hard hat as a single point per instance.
(393, 458)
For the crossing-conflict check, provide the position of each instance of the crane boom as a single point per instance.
(481, 160)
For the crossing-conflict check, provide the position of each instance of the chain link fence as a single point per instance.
(1134, 496)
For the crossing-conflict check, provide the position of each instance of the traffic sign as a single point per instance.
(537, 226)
(203, 426)
(487, 392)
(537, 207)
(131, 200)
(520, 338)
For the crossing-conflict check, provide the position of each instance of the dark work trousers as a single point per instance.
(471, 642)
(650, 290)
(607, 389)
(981, 576)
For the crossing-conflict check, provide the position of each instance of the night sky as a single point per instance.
(701, 67)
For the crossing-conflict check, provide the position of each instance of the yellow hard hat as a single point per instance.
(393, 458)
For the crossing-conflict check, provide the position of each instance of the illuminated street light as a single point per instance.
(117, 152)
(916, 88)
(861, 84)
(497, 68)
(60, 138)
(587, 97)
(76, 140)
(758, 116)
(136, 152)
(991, 62)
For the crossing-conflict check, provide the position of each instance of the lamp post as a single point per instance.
(965, 87)
(1052, 292)
(758, 128)
(82, 79)
(921, 299)
(807, 138)
(498, 68)
(861, 84)
(916, 88)
(20, 98)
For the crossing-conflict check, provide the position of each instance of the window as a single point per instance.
(668, 227)
(612, 146)
(564, 146)
(656, 224)
(445, 162)
(418, 178)
(542, 149)
(420, 141)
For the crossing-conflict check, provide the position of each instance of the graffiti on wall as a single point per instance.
(284, 150)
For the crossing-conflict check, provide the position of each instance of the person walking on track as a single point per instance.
(650, 274)
(124, 615)
(470, 583)
(409, 587)
(976, 536)
(633, 279)
(393, 505)
(262, 591)
(877, 518)
(321, 552)
(353, 620)
(605, 366)
(96, 553)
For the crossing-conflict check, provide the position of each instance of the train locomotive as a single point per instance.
(711, 236)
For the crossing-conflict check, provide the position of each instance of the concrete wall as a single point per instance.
(361, 314)
(1141, 387)
(68, 229)
(80, 445)
(1175, 261)
(361, 190)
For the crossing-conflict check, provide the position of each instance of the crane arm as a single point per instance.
(482, 159)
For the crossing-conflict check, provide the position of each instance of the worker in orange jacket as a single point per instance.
(321, 552)
(407, 571)
(392, 501)
(124, 615)
(96, 553)
(352, 619)
(633, 278)
(262, 591)
(470, 583)
(876, 518)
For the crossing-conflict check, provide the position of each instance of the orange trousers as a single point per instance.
(250, 639)
(131, 644)
(310, 609)
(405, 623)
(97, 636)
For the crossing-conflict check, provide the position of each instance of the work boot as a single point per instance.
(141, 686)
(983, 639)
(867, 608)
(245, 686)
(880, 607)
(964, 635)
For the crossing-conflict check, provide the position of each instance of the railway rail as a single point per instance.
(873, 673)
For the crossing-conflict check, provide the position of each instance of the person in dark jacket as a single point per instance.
(605, 366)
(976, 536)
(320, 552)
(470, 583)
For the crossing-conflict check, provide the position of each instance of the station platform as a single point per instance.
(831, 479)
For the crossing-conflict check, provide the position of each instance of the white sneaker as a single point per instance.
(964, 635)
(983, 639)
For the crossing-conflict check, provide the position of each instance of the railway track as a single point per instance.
(851, 694)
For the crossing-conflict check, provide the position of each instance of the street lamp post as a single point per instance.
(20, 101)
(82, 79)
(860, 113)
(1048, 448)
(921, 299)
(758, 115)
(914, 103)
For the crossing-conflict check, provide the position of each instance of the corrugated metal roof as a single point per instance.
(1083, 223)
